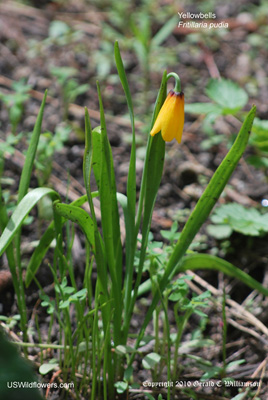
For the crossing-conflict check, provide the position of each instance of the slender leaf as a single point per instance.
(97, 152)
(79, 216)
(87, 154)
(29, 160)
(21, 212)
(153, 177)
(3, 223)
(153, 169)
(92, 157)
(159, 101)
(43, 246)
(93, 146)
(205, 261)
(110, 221)
(109, 207)
(131, 187)
(131, 183)
(165, 31)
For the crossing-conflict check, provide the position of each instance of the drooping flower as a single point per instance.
(170, 119)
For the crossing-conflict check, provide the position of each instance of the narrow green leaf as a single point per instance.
(108, 202)
(154, 166)
(131, 182)
(151, 160)
(165, 31)
(205, 261)
(3, 222)
(79, 216)
(97, 154)
(153, 177)
(129, 212)
(58, 253)
(21, 212)
(29, 160)
(43, 246)
(22, 191)
(110, 222)
(3, 209)
(88, 152)
(92, 157)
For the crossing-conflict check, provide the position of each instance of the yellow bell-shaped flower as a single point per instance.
(170, 119)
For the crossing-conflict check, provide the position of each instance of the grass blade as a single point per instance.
(43, 246)
(80, 217)
(97, 154)
(21, 212)
(29, 160)
(110, 223)
(3, 224)
(131, 187)
(205, 261)
(92, 158)
(131, 182)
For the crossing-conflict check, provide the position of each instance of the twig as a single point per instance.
(54, 376)
(236, 309)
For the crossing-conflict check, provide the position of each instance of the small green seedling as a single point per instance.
(15, 102)
(70, 87)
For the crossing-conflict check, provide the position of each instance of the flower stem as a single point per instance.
(177, 87)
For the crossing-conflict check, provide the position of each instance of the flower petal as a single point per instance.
(161, 116)
(170, 119)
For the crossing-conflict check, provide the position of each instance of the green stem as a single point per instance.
(168, 345)
(44, 346)
(94, 343)
(21, 299)
(177, 87)
(180, 325)
(224, 331)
